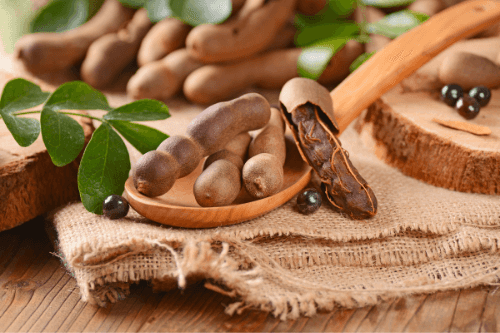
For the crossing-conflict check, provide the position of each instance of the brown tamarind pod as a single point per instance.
(310, 7)
(250, 31)
(271, 70)
(109, 55)
(47, 52)
(220, 182)
(178, 156)
(263, 173)
(308, 111)
(164, 78)
(429, 7)
(164, 37)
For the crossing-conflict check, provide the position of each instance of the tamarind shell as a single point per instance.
(315, 135)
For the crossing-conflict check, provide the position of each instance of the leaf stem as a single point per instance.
(68, 113)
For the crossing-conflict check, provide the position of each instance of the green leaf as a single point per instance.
(142, 137)
(142, 110)
(313, 34)
(19, 94)
(62, 135)
(77, 95)
(396, 24)
(342, 7)
(24, 130)
(133, 3)
(104, 168)
(330, 14)
(158, 10)
(387, 3)
(360, 60)
(313, 60)
(61, 15)
(196, 12)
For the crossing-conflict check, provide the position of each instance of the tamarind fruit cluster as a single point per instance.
(176, 157)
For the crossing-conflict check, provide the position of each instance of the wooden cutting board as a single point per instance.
(400, 130)
(30, 185)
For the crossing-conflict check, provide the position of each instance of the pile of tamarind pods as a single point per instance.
(208, 63)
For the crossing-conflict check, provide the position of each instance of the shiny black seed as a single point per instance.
(450, 94)
(467, 107)
(309, 201)
(481, 94)
(115, 207)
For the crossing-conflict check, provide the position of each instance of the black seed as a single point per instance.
(450, 94)
(467, 107)
(115, 207)
(481, 94)
(309, 201)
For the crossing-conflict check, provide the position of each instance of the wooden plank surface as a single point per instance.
(38, 295)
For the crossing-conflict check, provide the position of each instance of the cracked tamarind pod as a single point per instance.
(54, 51)
(250, 31)
(156, 171)
(220, 182)
(263, 173)
(308, 111)
(108, 56)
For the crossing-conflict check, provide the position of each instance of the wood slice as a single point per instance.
(30, 185)
(400, 130)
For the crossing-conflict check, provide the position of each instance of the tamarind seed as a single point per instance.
(481, 94)
(467, 107)
(115, 207)
(450, 94)
(309, 201)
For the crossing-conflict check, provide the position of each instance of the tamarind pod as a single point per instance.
(263, 173)
(310, 7)
(48, 52)
(164, 78)
(469, 70)
(220, 182)
(338, 68)
(371, 14)
(271, 70)
(252, 30)
(284, 38)
(164, 37)
(310, 116)
(429, 7)
(109, 55)
(178, 156)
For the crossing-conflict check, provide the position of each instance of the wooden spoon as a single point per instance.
(407, 53)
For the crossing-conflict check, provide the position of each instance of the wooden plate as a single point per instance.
(179, 208)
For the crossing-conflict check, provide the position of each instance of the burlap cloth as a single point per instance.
(423, 239)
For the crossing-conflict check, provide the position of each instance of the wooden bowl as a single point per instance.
(179, 208)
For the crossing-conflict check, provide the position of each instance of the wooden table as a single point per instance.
(37, 294)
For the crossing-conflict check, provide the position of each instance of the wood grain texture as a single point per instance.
(30, 184)
(400, 129)
(38, 295)
(407, 53)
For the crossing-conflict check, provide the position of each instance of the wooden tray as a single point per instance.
(179, 208)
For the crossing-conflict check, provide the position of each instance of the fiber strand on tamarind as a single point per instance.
(47, 52)
(220, 182)
(310, 117)
(178, 156)
(263, 173)
(109, 55)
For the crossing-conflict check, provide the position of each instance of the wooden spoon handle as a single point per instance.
(403, 56)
